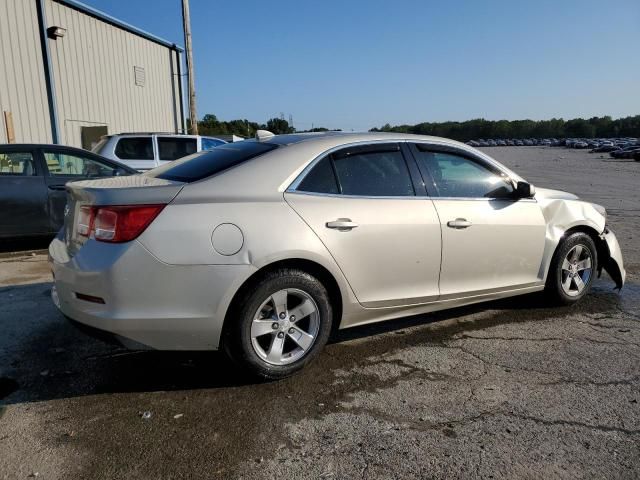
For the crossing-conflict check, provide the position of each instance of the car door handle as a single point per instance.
(56, 187)
(459, 223)
(342, 224)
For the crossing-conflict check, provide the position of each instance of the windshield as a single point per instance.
(98, 146)
(204, 164)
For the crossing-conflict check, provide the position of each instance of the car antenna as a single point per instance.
(264, 135)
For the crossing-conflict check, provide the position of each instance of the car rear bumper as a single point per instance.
(123, 290)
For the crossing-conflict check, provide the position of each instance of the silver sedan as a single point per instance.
(260, 247)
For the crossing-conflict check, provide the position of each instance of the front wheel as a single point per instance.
(572, 269)
(280, 324)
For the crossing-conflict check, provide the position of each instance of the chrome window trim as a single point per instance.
(293, 187)
(412, 197)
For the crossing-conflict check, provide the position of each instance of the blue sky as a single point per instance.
(355, 64)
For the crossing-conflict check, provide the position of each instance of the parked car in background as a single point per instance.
(626, 152)
(32, 184)
(259, 247)
(144, 151)
(605, 148)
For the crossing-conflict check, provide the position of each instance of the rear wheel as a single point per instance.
(280, 324)
(572, 268)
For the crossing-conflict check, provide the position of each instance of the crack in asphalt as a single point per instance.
(551, 339)
(573, 423)
(625, 381)
(562, 380)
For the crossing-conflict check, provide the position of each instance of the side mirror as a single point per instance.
(117, 172)
(525, 190)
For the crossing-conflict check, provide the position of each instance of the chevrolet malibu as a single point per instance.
(260, 247)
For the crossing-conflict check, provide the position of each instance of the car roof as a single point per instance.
(340, 138)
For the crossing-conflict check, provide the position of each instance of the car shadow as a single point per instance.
(44, 357)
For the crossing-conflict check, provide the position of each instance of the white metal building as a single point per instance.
(70, 73)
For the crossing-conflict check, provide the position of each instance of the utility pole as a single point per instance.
(186, 22)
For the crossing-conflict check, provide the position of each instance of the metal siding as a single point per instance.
(22, 84)
(94, 77)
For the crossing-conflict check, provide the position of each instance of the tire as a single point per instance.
(251, 338)
(567, 283)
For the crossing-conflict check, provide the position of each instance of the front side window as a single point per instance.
(134, 148)
(17, 164)
(172, 148)
(63, 164)
(460, 177)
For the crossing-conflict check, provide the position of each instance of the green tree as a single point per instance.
(554, 128)
(279, 126)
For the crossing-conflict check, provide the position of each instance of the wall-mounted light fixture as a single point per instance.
(56, 32)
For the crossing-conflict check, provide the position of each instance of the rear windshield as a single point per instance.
(204, 164)
(98, 146)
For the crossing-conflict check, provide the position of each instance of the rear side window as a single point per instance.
(172, 148)
(134, 148)
(61, 164)
(376, 174)
(321, 179)
(17, 164)
(204, 164)
(370, 170)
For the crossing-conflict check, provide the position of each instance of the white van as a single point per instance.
(144, 151)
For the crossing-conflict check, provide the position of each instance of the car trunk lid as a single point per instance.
(126, 190)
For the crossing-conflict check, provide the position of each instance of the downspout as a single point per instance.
(176, 128)
(183, 120)
(48, 73)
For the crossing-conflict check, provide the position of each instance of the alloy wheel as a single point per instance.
(576, 270)
(285, 326)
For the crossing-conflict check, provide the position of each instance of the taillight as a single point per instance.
(84, 221)
(116, 224)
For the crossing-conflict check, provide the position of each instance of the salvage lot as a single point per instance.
(509, 388)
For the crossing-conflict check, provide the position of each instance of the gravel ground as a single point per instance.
(508, 389)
